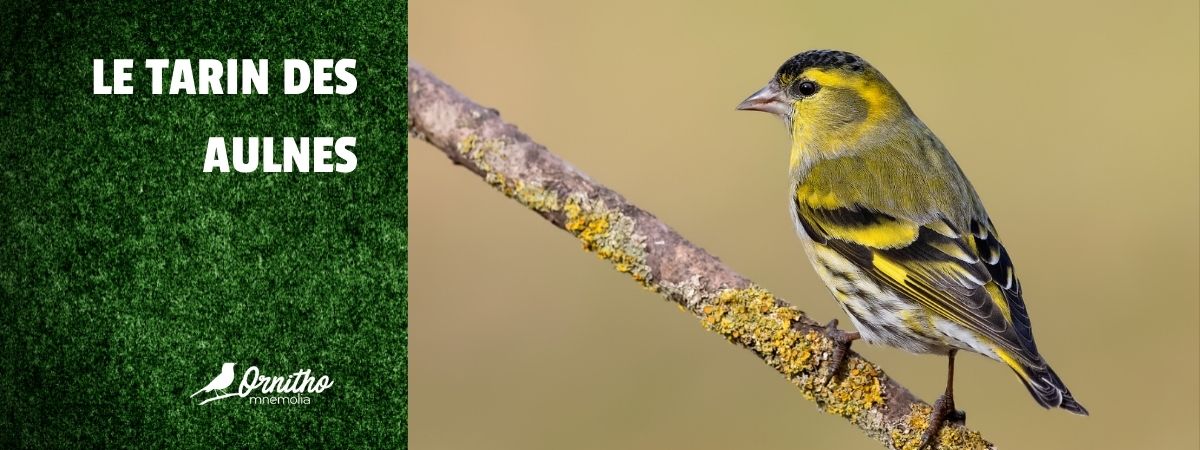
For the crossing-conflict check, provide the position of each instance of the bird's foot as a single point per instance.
(943, 412)
(841, 346)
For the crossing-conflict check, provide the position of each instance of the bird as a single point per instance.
(895, 230)
(221, 382)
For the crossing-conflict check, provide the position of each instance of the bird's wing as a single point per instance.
(223, 381)
(963, 275)
(217, 383)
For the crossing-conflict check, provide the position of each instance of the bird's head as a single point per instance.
(828, 99)
(227, 365)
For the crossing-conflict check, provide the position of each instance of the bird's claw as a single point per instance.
(943, 412)
(841, 346)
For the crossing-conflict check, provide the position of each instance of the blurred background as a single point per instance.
(1076, 121)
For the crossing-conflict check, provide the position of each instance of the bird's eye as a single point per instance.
(804, 88)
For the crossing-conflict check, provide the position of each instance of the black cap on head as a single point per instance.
(823, 59)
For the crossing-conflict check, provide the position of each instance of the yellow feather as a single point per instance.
(952, 249)
(827, 200)
(882, 235)
(797, 155)
(899, 275)
(919, 323)
(889, 268)
(999, 300)
(889, 234)
(942, 228)
(877, 100)
(1008, 359)
(969, 239)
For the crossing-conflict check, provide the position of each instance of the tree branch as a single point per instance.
(661, 260)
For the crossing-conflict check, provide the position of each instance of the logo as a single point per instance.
(298, 385)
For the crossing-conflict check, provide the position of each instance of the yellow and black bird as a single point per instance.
(894, 228)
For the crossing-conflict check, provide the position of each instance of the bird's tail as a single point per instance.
(197, 393)
(1047, 388)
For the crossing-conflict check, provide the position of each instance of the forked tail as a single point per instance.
(1048, 389)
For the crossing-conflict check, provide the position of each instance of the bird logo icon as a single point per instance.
(221, 382)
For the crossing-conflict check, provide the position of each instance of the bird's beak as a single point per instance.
(768, 99)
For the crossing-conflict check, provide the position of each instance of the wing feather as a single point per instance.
(960, 272)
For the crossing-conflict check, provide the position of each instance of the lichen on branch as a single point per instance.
(659, 259)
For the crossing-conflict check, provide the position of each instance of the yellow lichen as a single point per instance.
(607, 233)
(907, 436)
(467, 144)
(535, 197)
(752, 317)
(477, 151)
(856, 392)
